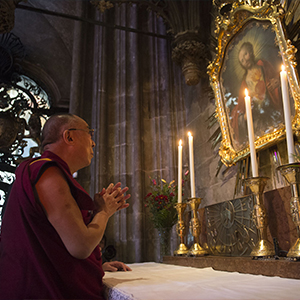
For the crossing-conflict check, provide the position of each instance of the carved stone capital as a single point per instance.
(192, 55)
(102, 5)
(7, 15)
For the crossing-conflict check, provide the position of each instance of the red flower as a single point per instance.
(148, 195)
(160, 201)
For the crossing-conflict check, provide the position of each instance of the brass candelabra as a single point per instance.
(181, 230)
(195, 226)
(263, 247)
(291, 172)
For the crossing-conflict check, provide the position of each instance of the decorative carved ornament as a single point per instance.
(191, 54)
(7, 15)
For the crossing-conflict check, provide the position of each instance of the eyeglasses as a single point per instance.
(89, 131)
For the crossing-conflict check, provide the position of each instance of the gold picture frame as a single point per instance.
(258, 27)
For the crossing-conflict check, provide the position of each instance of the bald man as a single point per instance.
(51, 227)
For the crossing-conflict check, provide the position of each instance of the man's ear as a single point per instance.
(67, 136)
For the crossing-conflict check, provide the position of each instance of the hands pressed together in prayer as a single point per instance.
(111, 199)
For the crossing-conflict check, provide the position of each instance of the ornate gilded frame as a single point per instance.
(229, 27)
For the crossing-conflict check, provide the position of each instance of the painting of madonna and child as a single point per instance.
(252, 61)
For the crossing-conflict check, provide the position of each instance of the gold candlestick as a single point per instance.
(291, 172)
(180, 227)
(263, 247)
(195, 226)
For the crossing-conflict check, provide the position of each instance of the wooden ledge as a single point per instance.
(281, 267)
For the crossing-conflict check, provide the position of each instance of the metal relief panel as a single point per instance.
(230, 227)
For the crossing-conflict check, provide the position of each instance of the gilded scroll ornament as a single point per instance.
(290, 53)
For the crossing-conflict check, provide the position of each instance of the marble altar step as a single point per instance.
(281, 267)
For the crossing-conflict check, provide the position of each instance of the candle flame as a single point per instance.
(282, 68)
(189, 134)
(246, 92)
(180, 142)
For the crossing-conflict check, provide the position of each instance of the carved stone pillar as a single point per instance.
(185, 20)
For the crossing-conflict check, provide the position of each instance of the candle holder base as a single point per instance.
(294, 251)
(197, 250)
(182, 250)
(181, 230)
(263, 248)
(195, 228)
(291, 172)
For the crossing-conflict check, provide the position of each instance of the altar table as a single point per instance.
(154, 281)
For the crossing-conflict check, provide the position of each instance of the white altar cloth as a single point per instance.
(153, 281)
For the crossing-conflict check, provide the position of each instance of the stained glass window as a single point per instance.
(23, 112)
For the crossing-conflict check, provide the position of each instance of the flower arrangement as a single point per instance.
(161, 201)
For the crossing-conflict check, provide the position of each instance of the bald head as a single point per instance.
(55, 126)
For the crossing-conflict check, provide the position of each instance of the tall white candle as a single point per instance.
(192, 170)
(251, 135)
(287, 116)
(180, 172)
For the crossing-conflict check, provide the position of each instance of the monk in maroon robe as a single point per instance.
(51, 227)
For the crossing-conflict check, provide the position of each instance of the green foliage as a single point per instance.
(161, 201)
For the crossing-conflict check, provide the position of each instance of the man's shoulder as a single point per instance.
(43, 160)
(35, 161)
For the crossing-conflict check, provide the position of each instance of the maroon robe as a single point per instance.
(34, 262)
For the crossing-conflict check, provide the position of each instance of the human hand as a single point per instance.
(273, 84)
(111, 199)
(111, 188)
(114, 266)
